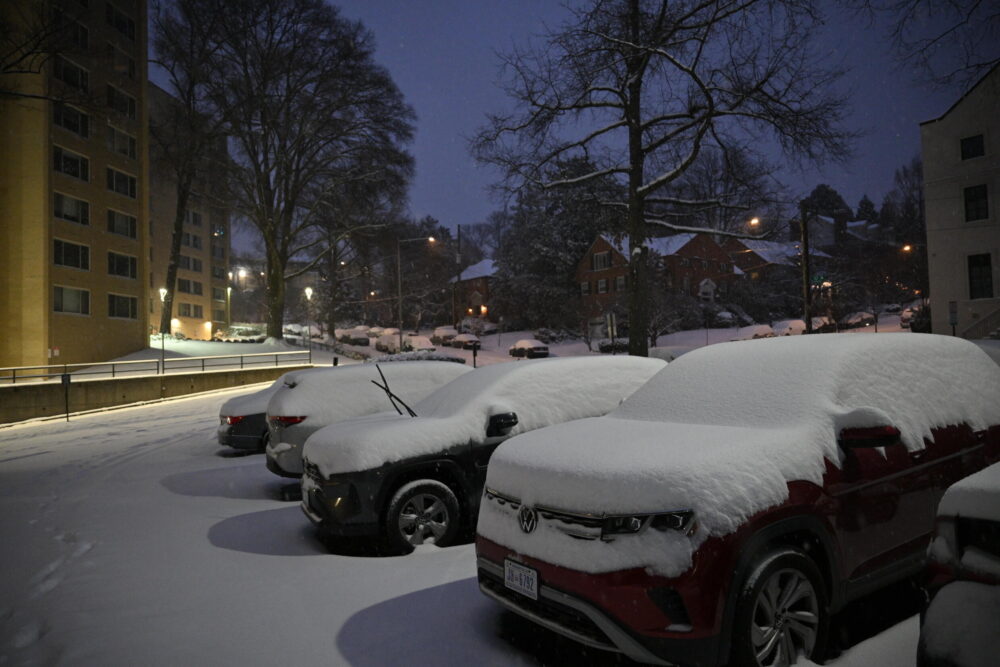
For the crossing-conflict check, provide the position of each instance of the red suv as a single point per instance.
(744, 494)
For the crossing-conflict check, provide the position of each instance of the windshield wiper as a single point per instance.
(392, 397)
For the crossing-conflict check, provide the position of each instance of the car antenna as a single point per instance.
(392, 397)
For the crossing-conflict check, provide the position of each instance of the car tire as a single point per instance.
(264, 440)
(421, 512)
(782, 612)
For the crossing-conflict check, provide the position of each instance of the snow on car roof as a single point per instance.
(346, 391)
(528, 343)
(976, 496)
(256, 402)
(723, 429)
(541, 392)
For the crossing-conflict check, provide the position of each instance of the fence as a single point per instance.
(115, 369)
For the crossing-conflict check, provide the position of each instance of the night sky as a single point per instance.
(442, 55)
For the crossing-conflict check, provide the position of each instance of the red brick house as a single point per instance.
(692, 264)
(472, 290)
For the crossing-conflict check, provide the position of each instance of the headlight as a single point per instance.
(631, 524)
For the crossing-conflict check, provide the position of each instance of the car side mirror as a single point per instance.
(875, 436)
(501, 424)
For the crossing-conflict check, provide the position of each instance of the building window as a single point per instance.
(218, 251)
(71, 300)
(121, 61)
(191, 241)
(126, 307)
(120, 142)
(70, 163)
(602, 286)
(119, 20)
(218, 294)
(600, 260)
(973, 147)
(977, 205)
(71, 254)
(685, 261)
(121, 265)
(723, 267)
(620, 283)
(219, 272)
(121, 224)
(71, 209)
(71, 31)
(121, 102)
(980, 276)
(190, 310)
(121, 183)
(219, 315)
(192, 218)
(72, 75)
(190, 263)
(585, 288)
(189, 286)
(71, 118)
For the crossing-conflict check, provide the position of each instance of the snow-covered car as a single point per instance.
(892, 308)
(411, 480)
(530, 348)
(907, 316)
(442, 335)
(740, 497)
(670, 352)
(961, 625)
(789, 328)
(858, 319)
(243, 419)
(420, 343)
(308, 401)
(466, 341)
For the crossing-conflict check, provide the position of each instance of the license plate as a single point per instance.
(521, 579)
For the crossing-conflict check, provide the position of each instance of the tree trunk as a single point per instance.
(638, 294)
(275, 280)
(167, 307)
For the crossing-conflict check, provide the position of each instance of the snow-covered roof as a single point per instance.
(662, 245)
(774, 252)
(483, 269)
(256, 403)
(541, 392)
(723, 429)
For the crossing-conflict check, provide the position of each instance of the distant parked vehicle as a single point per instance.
(530, 348)
(742, 496)
(906, 317)
(465, 341)
(308, 401)
(858, 319)
(961, 624)
(416, 480)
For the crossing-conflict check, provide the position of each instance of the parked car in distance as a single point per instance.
(306, 402)
(530, 348)
(243, 418)
(858, 319)
(466, 341)
(414, 480)
(443, 335)
(739, 498)
(961, 624)
(906, 316)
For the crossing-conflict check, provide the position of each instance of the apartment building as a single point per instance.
(202, 295)
(961, 154)
(74, 187)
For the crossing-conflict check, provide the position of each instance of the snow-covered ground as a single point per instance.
(129, 537)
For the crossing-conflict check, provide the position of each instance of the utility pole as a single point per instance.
(806, 278)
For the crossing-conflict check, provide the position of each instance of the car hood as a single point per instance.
(370, 442)
(616, 465)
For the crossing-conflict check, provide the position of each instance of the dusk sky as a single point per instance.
(442, 55)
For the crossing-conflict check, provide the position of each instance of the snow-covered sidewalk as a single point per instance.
(130, 537)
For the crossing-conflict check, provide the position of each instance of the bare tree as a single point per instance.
(949, 42)
(304, 102)
(186, 130)
(32, 34)
(641, 87)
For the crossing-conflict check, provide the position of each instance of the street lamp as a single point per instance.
(399, 282)
(754, 222)
(309, 295)
(163, 296)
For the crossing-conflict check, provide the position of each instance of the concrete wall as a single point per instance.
(19, 402)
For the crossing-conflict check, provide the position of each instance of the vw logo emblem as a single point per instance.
(528, 518)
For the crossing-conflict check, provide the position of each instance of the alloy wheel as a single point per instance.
(785, 619)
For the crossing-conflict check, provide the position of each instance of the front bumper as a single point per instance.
(585, 612)
(284, 459)
(340, 507)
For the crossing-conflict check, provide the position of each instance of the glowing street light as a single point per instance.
(308, 334)
(163, 296)
(754, 221)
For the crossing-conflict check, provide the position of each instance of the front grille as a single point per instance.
(311, 470)
(561, 615)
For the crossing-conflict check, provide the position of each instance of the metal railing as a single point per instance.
(14, 374)
(983, 327)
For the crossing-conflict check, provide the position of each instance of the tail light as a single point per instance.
(233, 420)
(282, 420)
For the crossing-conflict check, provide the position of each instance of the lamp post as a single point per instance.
(399, 282)
(806, 291)
(309, 294)
(163, 296)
